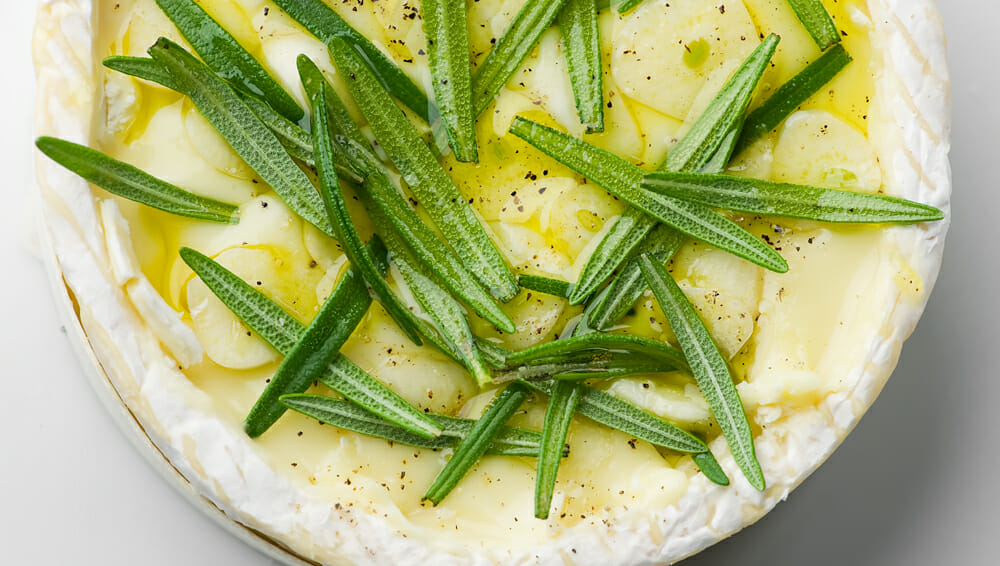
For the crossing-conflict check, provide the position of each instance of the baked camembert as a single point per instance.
(452, 251)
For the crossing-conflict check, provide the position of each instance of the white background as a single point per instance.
(915, 484)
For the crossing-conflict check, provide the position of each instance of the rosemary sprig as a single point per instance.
(247, 135)
(359, 160)
(324, 23)
(340, 217)
(582, 44)
(817, 22)
(479, 439)
(784, 199)
(282, 331)
(620, 415)
(520, 37)
(431, 185)
(629, 285)
(622, 179)
(509, 441)
(226, 56)
(128, 182)
(708, 367)
(791, 95)
(446, 27)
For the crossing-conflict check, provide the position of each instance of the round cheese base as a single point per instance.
(805, 383)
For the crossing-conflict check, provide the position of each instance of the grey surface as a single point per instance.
(913, 485)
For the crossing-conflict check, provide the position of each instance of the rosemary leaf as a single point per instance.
(718, 162)
(294, 138)
(520, 37)
(341, 123)
(446, 27)
(817, 22)
(226, 56)
(312, 353)
(708, 367)
(725, 111)
(143, 68)
(627, 232)
(597, 348)
(324, 23)
(281, 330)
(431, 185)
(447, 313)
(479, 439)
(509, 441)
(564, 397)
(783, 199)
(582, 44)
(791, 95)
(494, 355)
(709, 466)
(545, 285)
(247, 135)
(128, 182)
(626, 6)
(615, 413)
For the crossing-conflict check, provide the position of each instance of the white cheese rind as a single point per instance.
(910, 131)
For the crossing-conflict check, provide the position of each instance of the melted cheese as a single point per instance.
(789, 336)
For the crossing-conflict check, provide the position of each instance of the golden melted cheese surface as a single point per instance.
(789, 337)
